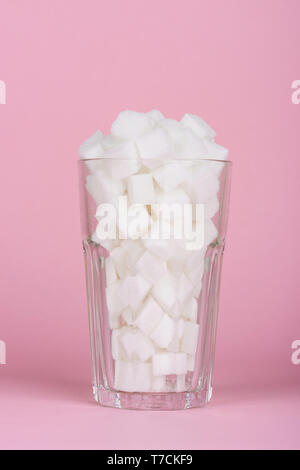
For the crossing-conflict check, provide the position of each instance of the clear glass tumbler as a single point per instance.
(153, 242)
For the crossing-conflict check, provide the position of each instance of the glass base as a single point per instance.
(152, 401)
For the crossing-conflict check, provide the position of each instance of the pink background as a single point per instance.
(70, 66)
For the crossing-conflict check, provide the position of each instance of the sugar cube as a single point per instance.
(110, 271)
(180, 383)
(136, 345)
(102, 187)
(191, 359)
(151, 267)
(191, 310)
(154, 147)
(155, 115)
(141, 189)
(123, 160)
(164, 331)
(117, 352)
(168, 363)
(131, 124)
(136, 288)
(171, 175)
(164, 292)
(132, 376)
(190, 338)
(159, 384)
(198, 125)
(128, 316)
(149, 316)
(215, 151)
(92, 147)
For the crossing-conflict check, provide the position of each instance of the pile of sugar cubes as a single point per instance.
(153, 286)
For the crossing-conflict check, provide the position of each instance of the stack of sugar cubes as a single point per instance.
(152, 286)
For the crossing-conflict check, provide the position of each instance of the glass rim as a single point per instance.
(195, 160)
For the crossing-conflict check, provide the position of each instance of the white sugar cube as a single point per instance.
(210, 235)
(198, 125)
(124, 376)
(171, 175)
(151, 267)
(164, 332)
(92, 147)
(114, 298)
(136, 288)
(136, 345)
(194, 260)
(143, 377)
(177, 262)
(184, 289)
(196, 275)
(110, 141)
(117, 352)
(118, 255)
(128, 316)
(180, 326)
(110, 271)
(131, 124)
(215, 151)
(161, 248)
(190, 338)
(124, 160)
(155, 115)
(191, 362)
(191, 310)
(114, 322)
(132, 376)
(211, 207)
(164, 292)
(175, 266)
(141, 189)
(159, 384)
(95, 164)
(154, 147)
(180, 363)
(176, 310)
(180, 383)
(204, 183)
(210, 232)
(149, 316)
(168, 363)
(174, 345)
(123, 149)
(102, 187)
(133, 255)
(189, 146)
(172, 127)
(197, 289)
(177, 195)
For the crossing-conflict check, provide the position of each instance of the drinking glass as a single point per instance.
(153, 260)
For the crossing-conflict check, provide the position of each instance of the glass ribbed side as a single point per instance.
(200, 388)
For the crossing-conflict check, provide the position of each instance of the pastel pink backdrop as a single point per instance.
(69, 68)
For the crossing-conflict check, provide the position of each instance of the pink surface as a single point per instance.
(69, 68)
(52, 415)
